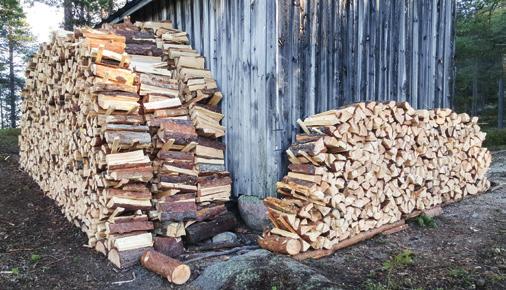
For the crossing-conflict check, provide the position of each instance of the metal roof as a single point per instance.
(129, 8)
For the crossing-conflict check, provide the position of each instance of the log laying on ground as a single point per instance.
(358, 170)
(128, 258)
(280, 244)
(204, 230)
(173, 270)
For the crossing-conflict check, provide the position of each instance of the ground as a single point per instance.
(465, 250)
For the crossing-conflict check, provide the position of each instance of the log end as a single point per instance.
(293, 247)
(180, 275)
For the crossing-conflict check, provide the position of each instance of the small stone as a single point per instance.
(480, 282)
(225, 237)
(253, 212)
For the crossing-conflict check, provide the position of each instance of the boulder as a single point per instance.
(225, 237)
(253, 212)
(261, 269)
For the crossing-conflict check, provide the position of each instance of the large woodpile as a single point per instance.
(83, 139)
(368, 165)
(121, 127)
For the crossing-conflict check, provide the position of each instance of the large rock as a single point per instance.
(261, 269)
(253, 212)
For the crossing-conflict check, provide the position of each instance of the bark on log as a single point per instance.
(125, 259)
(205, 230)
(280, 244)
(169, 246)
(316, 254)
(208, 213)
(175, 271)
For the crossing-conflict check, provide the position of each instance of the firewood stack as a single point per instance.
(188, 158)
(83, 139)
(200, 95)
(371, 164)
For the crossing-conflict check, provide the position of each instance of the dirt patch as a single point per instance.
(466, 249)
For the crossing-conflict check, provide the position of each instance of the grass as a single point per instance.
(461, 275)
(35, 258)
(391, 266)
(496, 138)
(9, 140)
(15, 271)
(400, 260)
(426, 221)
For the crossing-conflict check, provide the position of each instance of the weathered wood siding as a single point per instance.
(277, 61)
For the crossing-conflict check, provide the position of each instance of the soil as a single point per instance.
(465, 250)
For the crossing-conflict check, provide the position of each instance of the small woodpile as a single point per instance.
(128, 143)
(369, 165)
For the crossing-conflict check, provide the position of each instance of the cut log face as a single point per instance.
(359, 170)
(126, 259)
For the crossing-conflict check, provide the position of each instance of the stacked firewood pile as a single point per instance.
(369, 165)
(181, 100)
(83, 139)
(128, 143)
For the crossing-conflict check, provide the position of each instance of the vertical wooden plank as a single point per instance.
(447, 77)
(197, 25)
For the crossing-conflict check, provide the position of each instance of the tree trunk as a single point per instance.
(2, 112)
(12, 85)
(500, 105)
(67, 15)
(475, 91)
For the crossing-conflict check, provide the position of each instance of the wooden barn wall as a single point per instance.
(277, 61)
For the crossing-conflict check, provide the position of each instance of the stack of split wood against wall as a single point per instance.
(358, 169)
(128, 144)
(181, 107)
(83, 139)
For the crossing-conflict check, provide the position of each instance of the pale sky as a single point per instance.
(43, 19)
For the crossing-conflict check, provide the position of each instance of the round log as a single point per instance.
(172, 269)
(280, 244)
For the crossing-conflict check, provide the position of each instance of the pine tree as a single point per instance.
(15, 45)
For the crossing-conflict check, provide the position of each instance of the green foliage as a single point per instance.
(15, 271)
(480, 45)
(16, 43)
(461, 275)
(404, 258)
(495, 138)
(400, 260)
(8, 140)
(84, 12)
(371, 285)
(425, 221)
(35, 258)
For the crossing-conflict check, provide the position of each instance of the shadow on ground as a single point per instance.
(466, 250)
